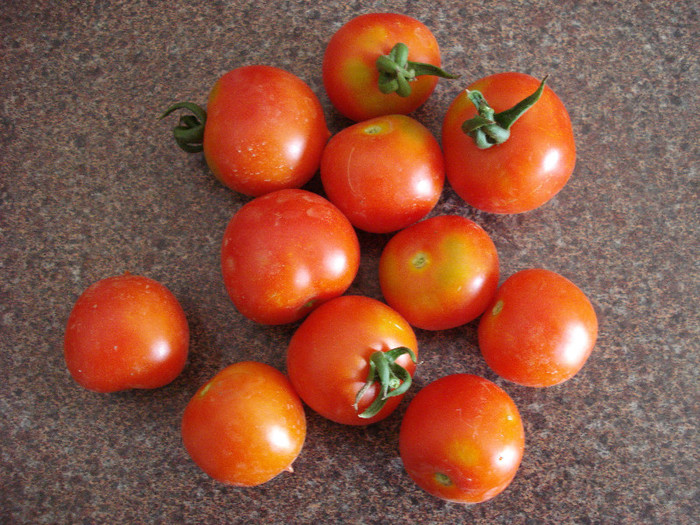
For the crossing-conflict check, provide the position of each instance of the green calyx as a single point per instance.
(393, 379)
(489, 128)
(396, 71)
(189, 133)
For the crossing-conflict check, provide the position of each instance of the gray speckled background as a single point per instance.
(91, 185)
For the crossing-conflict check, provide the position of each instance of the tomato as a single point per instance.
(539, 330)
(126, 332)
(245, 426)
(384, 173)
(263, 130)
(462, 439)
(530, 167)
(352, 359)
(361, 88)
(439, 273)
(286, 252)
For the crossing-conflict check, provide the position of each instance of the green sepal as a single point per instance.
(393, 379)
(189, 133)
(489, 128)
(396, 72)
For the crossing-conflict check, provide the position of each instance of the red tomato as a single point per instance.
(462, 439)
(126, 332)
(285, 253)
(384, 174)
(351, 75)
(439, 273)
(264, 130)
(526, 170)
(332, 353)
(245, 426)
(539, 329)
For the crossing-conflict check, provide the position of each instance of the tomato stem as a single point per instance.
(396, 71)
(393, 379)
(189, 133)
(489, 128)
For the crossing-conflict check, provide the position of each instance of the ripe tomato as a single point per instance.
(126, 332)
(539, 329)
(245, 426)
(462, 439)
(263, 130)
(384, 173)
(360, 87)
(337, 353)
(286, 252)
(439, 273)
(525, 171)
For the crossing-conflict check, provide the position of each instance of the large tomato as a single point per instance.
(263, 130)
(285, 253)
(126, 332)
(246, 425)
(384, 173)
(439, 273)
(535, 159)
(352, 359)
(539, 330)
(462, 439)
(367, 75)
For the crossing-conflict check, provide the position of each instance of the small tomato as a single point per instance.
(439, 273)
(126, 332)
(244, 426)
(539, 330)
(462, 439)
(384, 173)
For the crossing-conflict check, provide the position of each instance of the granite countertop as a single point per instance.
(91, 185)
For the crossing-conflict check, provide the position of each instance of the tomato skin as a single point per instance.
(286, 252)
(539, 330)
(245, 426)
(327, 357)
(265, 130)
(529, 168)
(462, 439)
(439, 273)
(350, 75)
(126, 332)
(384, 173)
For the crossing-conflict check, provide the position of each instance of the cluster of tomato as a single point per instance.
(290, 255)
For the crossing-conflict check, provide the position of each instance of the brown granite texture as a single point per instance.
(92, 185)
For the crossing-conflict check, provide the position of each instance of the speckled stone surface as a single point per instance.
(91, 185)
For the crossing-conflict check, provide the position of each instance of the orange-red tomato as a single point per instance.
(245, 426)
(439, 273)
(285, 253)
(350, 73)
(265, 130)
(539, 330)
(526, 170)
(384, 173)
(328, 359)
(462, 439)
(126, 332)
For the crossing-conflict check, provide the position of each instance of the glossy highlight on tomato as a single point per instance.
(539, 330)
(126, 332)
(245, 426)
(439, 273)
(328, 358)
(383, 173)
(462, 439)
(286, 252)
(350, 73)
(525, 171)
